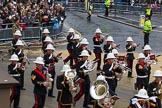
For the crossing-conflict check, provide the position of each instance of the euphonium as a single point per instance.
(70, 75)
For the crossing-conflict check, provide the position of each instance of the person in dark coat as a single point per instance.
(154, 90)
(38, 78)
(15, 71)
(97, 41)
(19, 52)
(109, 71)
(70, 46)
(85, 85)
(130, 47)
(50, 61)
(64, 97)
(140, 100)
(142, 73)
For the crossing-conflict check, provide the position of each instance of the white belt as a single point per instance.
(97, 45)
(129, 52)
(110, 77)
(15, 74)
(142, 76)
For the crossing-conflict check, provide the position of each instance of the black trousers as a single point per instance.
(98, 56)
(111, 83)
(146, 38)
(15, 96)
(130, 65)
(39, 101)
(106, 11)
(50, 91)
(22, 78)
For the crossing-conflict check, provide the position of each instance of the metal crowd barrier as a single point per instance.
(120, 7)
(30, 32)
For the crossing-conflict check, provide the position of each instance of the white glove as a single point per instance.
(46, 84)
(159, 91)
(153, 98)
(134, 100)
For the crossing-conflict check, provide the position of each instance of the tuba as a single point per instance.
(70, 75)
(100, 92)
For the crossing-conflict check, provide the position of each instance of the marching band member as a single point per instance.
(83, 46)
(97, 41)
(38, 77)
(45, 33)
(15, 71)
(130, 47)
(82, 73)
(47, 41)
(64, 97)
(147, 51)
(139, 100)
(108, 71)
(142, 73)
(17, 36)
(19, 52)
(50, 61)
(108, 46)
(69, 46)
(75, 45)
(118, 70)
(155, 90)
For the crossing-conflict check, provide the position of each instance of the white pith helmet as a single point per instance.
(141, 55)
(84, 41)
(45, 31)
(158, 73)
(142, 93)
(147, 47)
(19, 42)
(115, 51)
(71, 30)
(98, 30)
(110, 56)
(76, 36)
(50, 47)
(48, 39)
(100, 77)
(84, 53)
(39, 60)
(65, 68)
(129, 39)
(17, 33)
(14, 57)
(110, 38)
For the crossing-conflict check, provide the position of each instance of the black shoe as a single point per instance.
(51, 96)
(74, 103)
(130, 77)
(86, 107)
(17, 107)
(23, 89)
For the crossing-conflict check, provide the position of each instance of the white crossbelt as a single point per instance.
(15, 75)
(142, 76)
(97, 45)
(109, 77)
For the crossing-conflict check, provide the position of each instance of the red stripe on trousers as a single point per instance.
(12, 94)
(80, 94)
(59, 105)
(36, 101)
(97, 56)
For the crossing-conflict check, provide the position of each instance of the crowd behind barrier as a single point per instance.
(31, 32)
